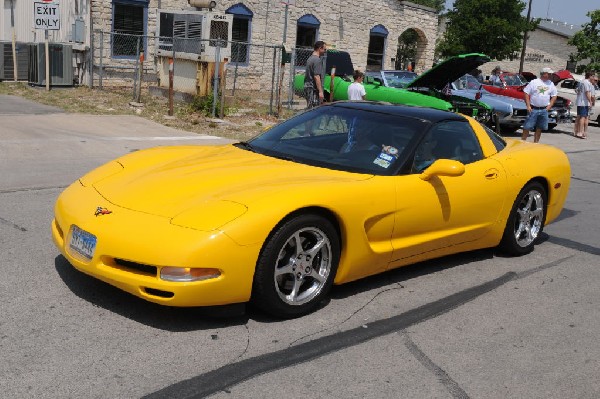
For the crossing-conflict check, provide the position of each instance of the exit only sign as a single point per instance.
(46, 15)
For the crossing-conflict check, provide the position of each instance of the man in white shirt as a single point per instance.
(540, 95)
(584, 102)
(356, 91)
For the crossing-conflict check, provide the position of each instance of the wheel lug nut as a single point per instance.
(307, 270)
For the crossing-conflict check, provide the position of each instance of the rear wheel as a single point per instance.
(526, 220)
(551, 126)
(296, 267)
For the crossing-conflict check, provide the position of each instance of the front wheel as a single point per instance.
(551, 126)
(526, 220)
(296, 267)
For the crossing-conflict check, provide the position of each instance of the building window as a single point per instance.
(307, 33)
(241, 33)
(376, 52)
(129, 24)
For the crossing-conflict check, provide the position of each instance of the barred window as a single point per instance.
(129, 23)
(241, 33)
(377, 39)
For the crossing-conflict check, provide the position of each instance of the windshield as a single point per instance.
(349, 139)
(399, 79)
(514, 80)
(468, 82)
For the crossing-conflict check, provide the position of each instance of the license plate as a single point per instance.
(82, 242)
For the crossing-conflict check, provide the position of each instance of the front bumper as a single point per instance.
(132, 247)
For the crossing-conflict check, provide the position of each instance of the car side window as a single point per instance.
(447, 140)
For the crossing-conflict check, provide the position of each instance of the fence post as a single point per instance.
(140, 75)
(273, 81)
(216, 79)
(91, 56)
(237, 62)
(137, 67)
(292, 76)
(101, 57)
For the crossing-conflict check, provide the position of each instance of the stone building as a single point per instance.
(546, 47)
(368, 29)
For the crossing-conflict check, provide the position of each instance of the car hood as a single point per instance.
(448, 71)
(561, 75)
(170, 180)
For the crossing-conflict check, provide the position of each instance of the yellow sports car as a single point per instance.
(332, 195)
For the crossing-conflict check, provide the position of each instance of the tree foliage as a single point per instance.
(587, 41)
(438, 5)
(492, 27)
(407, 48)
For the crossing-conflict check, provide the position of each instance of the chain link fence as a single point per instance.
(225, 72)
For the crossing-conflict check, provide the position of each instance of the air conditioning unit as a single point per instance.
(61, 64)
(7, 66)
(195, 35)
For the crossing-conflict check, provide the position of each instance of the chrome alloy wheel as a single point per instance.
(303, 266)
(530, 218)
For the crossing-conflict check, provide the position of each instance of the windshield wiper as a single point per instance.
(246, 146)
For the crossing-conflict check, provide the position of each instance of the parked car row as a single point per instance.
(447, 86)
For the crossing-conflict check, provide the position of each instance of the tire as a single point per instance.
(291, 282)
(551, 126)
(526, 220)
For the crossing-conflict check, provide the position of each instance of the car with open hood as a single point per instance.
(416, 95)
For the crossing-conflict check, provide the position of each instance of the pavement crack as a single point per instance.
(585, 180)
(11, 224)
(452, 386)
(347, 318)
(247, 345)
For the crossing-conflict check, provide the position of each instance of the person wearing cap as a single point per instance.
(494, 79)
(584, 101)
(540, 95)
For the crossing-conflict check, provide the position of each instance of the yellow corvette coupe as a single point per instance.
(334, 194)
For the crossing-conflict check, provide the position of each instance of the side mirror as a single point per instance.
(443, 167)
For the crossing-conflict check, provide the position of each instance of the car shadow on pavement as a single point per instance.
(161, 317)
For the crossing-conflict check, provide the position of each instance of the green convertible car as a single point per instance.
(425, 91)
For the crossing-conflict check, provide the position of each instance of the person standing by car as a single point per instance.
(540, 95)
(356, 91)
(585, 100)
(494, 79)
(313, 85)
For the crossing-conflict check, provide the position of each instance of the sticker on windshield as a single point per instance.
(388, 149)
(381, 161)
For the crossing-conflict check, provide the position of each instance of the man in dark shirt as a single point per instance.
(313, 85)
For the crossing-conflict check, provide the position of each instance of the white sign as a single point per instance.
(46, 16)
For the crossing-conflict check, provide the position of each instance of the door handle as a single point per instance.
(491, 174)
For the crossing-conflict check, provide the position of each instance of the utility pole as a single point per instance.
(525, 39)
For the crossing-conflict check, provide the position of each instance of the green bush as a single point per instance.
(204, 106)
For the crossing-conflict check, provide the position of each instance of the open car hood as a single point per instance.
(341, 61)
(448, 71)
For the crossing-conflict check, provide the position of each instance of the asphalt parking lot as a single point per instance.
(474, 325)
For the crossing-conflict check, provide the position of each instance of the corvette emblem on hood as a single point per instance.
(102, 211)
